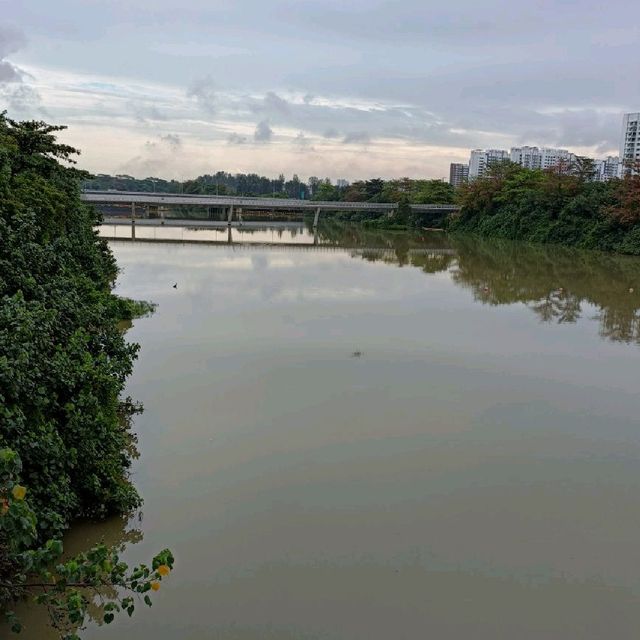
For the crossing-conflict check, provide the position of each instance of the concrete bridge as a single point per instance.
(235, 205)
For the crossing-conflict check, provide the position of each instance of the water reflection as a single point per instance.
(473, 473)
(559, 285)
(117, 533)
(555, 283)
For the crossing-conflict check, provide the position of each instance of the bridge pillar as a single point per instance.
(315, 218)
(133, 229)
(230, 218)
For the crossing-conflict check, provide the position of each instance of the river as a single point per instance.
(413, 437)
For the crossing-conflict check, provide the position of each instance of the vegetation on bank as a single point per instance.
(65, 446)
(241, 184)
(562, 205)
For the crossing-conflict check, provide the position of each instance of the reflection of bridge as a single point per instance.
(155, 203)
(304, 246)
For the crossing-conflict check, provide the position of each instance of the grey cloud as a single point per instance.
(357, 137)
(11, 41)
(145, 113)
(451, 75)
(236, 138)
(274, 103)
(172, 140)
(263, 132)
(22, 99)
(203, 90)
(9, 72)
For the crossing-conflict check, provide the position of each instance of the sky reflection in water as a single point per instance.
(474, 473)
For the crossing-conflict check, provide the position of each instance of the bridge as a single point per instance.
(156, 203)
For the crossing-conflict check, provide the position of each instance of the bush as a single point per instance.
(555, 206)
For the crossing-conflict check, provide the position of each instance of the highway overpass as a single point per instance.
(235, 205)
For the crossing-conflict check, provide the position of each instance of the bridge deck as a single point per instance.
(134, 197)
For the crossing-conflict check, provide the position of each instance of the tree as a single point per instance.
(29, 569)
(627, 211)
(584, 168)
(63, 360)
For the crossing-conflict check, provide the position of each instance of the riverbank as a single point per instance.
(552, 207)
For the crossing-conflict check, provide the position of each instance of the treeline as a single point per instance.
(552, 206)
(65, 449)
(253, 185)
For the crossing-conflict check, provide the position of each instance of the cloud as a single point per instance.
(448, 77)
(23, 99)
(157, 157)
(11, 41)
(302, 142)
(274, 103)
(203, 90)
(172, 140)
(236, 138)
(145, 113)
(263, 132)
(357, 137)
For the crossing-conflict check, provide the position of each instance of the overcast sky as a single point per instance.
(338, 88)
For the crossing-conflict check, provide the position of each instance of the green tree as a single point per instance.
(63, 359)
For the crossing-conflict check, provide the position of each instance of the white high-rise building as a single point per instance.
(630, 144)
(607, 169)
(553, 157)
(540, 158)
(458, 174)
(482, 159)
(528, 157)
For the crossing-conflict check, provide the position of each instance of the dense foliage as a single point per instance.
(63, 359)
(222, 183)
(559, 206)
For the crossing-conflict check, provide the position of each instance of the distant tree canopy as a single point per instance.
(251, 184)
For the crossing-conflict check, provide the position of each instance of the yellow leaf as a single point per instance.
(19, 492)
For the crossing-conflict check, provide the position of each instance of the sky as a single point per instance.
(331, 88)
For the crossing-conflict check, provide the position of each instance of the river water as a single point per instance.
(413, 437)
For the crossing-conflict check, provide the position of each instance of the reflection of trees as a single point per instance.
(554, 282)
(117, 534)
(344, 234)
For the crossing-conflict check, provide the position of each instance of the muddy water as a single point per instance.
(384, 443)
